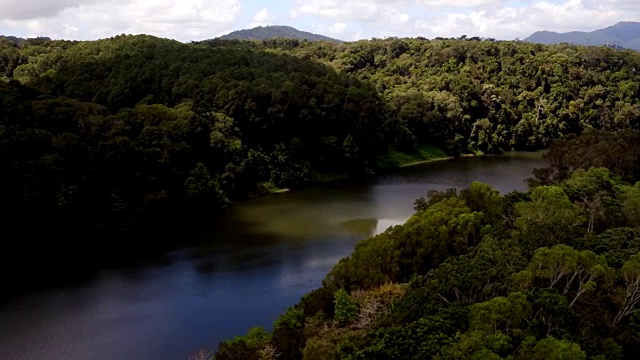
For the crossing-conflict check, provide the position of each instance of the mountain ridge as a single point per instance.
(624, 34)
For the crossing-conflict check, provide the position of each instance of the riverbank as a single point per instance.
(391, 161)
(438, 160)
(396, 159)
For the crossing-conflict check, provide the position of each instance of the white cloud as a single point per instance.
(33, 9)
(613, 5)
(358, 36)
(335, 9)
(262, 18)
(459, 3)
(511, 22)
(385, 12)
(487, 18)
(335, 30)
(356, 19)
(346, 19)
(90, 19)
(338, 28)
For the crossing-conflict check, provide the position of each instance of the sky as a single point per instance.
(188, 20)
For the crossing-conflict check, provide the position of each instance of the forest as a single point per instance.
(125, 139)
(552, 273)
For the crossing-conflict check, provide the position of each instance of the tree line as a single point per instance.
(137, 132)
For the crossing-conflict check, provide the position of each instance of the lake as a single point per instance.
(256, 260)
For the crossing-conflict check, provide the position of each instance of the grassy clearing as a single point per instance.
(395, 158)
(272, 189)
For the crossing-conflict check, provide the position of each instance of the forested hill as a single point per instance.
(275, 32)
(13, 39)
(130, 132)
(21, 41)
(135, 131)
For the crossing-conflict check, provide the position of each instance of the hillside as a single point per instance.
(274, 32)
(136, 123)
(137, 132)
(623, 34)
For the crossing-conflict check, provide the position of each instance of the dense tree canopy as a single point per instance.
(134, 132)
(494, 95)
(113, 132)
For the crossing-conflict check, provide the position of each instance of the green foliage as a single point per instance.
(631, 204)
(477, 345)
(570, 272)
(550, 218)
(500, 314)
(434, 197)
(202, 188)
(615, 150)
(467, 229)
(481, 197)
(596, 191)
(287, 336)
(629, 299)
(345, 308)
(244, 347)
(615, 245)
(552, 349)
(418, 340)
(554, 316)
(339, 344)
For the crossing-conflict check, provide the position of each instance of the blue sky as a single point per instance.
(187, 20)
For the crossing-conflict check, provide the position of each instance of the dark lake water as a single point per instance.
(256, 260)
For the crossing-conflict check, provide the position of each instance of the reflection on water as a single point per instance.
(363, 227)
(369, 227)
(258, 259)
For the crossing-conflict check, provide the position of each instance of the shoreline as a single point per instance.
(331, 179)
(435, 160)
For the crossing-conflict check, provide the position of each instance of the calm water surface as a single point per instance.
(256, 260)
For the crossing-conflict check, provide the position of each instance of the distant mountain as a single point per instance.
(13, 39)
(623, 34)
(273, 32)
(20, 41)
